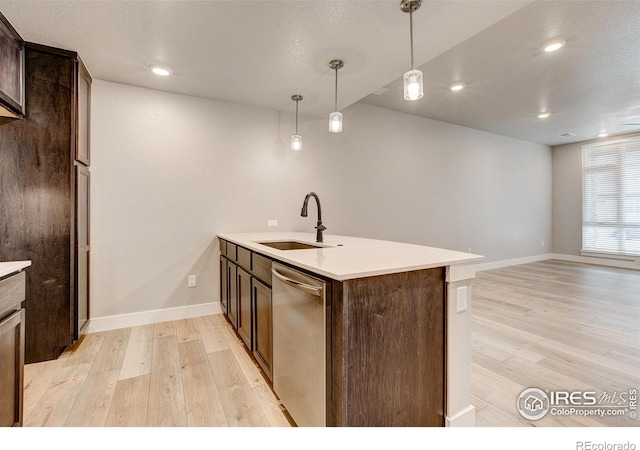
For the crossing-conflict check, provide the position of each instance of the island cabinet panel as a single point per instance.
(388, 350)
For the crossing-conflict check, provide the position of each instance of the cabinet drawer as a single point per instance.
(261, 268)
(12, 292)
(244, 258)
(232, 252)
(223, 247)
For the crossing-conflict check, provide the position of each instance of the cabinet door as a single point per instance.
(224, 284)
(12, 74)
(244, 306)
(232, 302)
(82, 251)
(84, 115)
(262, 325)
(11, 369)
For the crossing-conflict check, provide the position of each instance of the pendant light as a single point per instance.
(296, 139)
(335, 118)
(412, 78)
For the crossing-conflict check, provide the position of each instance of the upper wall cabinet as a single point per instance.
(11, 71)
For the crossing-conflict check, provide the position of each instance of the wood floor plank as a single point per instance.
(187, 330)
(235, 391)
(85, 350)
(166, 394)
(213, 338)
(270, 406)
(137, 358)
(112, 351)
(165, 329)
(37, 378)
(247, 366)
(57, 401)
(202, 400)
(130, 403)
(94, 400)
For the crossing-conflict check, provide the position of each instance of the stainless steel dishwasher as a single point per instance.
(299, 353)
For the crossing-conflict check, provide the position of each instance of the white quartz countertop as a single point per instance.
(344, 258)
(7, 268)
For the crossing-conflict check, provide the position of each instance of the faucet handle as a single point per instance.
(320, 227)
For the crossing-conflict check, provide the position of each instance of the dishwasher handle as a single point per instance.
(314, 290)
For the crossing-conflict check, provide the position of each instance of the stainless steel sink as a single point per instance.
(290, 245)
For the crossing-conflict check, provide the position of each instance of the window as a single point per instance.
(611, 198)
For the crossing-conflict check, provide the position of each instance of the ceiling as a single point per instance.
(261, 52)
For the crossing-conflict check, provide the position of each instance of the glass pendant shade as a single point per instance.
(335, 122)
(413, 85)
(296, 142)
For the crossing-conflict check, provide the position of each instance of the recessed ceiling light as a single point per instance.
(544, 115)
(457, 87)
(162, 71)
(380, 91)
(553, 46)
(603, 134)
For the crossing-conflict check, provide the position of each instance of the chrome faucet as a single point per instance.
(303, 213)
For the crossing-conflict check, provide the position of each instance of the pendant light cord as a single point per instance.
(297, 116)
(411, 35)
(335, 100)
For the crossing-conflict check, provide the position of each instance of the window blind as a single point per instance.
(611, 197)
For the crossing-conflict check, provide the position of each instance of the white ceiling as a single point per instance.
(261, 52)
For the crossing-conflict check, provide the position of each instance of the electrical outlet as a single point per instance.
(461, 299)
(191, 281)
(272, 223)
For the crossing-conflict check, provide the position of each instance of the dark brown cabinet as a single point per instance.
(12, 293)
(262, 325)
(224, 284)
(245, 299)
(44, 199)
(12, 74)
(244, 307)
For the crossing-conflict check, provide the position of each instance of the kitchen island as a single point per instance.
(397, 323)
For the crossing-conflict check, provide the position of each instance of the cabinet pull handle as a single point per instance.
(315, 290)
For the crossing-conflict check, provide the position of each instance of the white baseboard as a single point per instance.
(106, 323)
(513, 262)
(464, 418)
(596, 261)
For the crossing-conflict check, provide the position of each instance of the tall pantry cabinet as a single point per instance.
(44, 198)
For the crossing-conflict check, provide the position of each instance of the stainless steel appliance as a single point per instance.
(299, 353)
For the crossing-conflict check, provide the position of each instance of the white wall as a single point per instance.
(171, 171)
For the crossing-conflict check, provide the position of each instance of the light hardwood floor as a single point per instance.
(191, 372)
(558, 326)
(551, 325)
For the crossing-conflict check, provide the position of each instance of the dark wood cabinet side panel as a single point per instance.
(336, 405)
(394, 362)
(36, 202)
